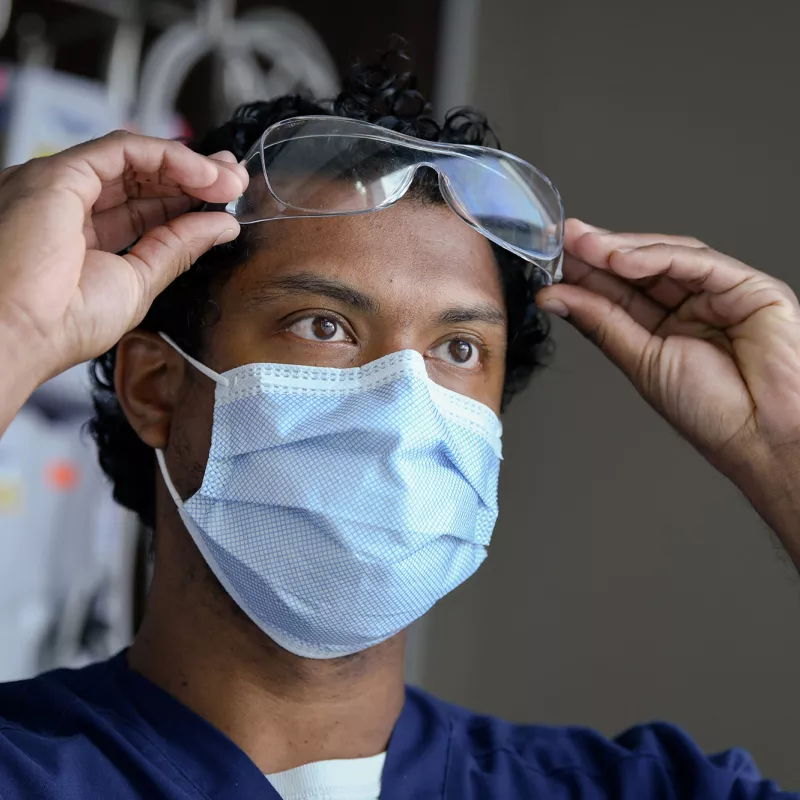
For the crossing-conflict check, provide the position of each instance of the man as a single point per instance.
(239, 671)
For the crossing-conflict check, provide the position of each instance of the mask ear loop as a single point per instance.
(167, 480)
(200, 367)
(209, 373)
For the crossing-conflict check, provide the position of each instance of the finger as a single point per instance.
(118, 192)
(663, 290)
(145, 184)
(575, 229)
(110, 160)
(628, 240)
(149, 181)
(224, 160)
(170, 249)
(225, 156)
(695, 269)
(648, 313)
(120, 226)
(605, 323)
(727, 310)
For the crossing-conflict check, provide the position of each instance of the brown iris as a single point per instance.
(460, 350)
(324, 328)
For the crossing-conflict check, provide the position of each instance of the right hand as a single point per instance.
(65, 296)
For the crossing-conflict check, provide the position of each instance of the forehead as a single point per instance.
(410, 255)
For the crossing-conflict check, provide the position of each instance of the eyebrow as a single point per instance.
(482, 312)
(306, 283)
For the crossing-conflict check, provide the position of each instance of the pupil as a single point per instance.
(460, 350)
(324, 328)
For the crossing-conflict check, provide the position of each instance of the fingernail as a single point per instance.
(226, 236)
(553, 306)
(225, 155)
(623, 250)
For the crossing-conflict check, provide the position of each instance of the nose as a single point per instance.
(388, 342)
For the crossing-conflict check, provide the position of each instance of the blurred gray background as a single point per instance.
(627, 581)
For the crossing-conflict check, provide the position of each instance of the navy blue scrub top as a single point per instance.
(106, 732)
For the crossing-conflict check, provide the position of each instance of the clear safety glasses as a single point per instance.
(332, 166)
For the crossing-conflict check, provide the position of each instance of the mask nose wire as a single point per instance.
(199, 366)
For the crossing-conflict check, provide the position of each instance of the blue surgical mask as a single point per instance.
(338, 505)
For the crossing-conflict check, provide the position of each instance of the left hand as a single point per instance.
(711, 343)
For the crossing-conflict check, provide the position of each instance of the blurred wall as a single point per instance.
(628, 581)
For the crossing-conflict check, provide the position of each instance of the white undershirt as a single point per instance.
(345, 779)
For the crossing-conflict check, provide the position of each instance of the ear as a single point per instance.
(148, 379)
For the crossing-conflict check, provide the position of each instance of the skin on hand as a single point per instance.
(65, 296)
(711, 343)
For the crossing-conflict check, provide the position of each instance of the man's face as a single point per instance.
(344, 291)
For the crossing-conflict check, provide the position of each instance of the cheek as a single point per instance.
(494, 376)
(190, 437)
(493, 387)
(485, 386)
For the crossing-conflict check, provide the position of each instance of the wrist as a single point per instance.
(22, 371)
(771, 482)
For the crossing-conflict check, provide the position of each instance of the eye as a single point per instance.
(458, 352)
(319, 329)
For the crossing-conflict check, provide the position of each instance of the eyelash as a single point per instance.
(478, 346)
(327, 315)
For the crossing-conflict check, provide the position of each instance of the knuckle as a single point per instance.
(30, 173)
(626, 298)
(137, 219)
(41, 177)
(598, 333)
(63, 170)
(661, 247)
(692, 241)
(166, 236)
(169, 238)
(786, 290)
(118, 135)
(647, 364)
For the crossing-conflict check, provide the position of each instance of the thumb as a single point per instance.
(167, 251)
(603, 322)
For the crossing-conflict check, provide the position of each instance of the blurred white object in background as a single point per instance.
(50, 111)
(264, 53)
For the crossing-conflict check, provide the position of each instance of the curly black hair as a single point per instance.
(381, 94)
